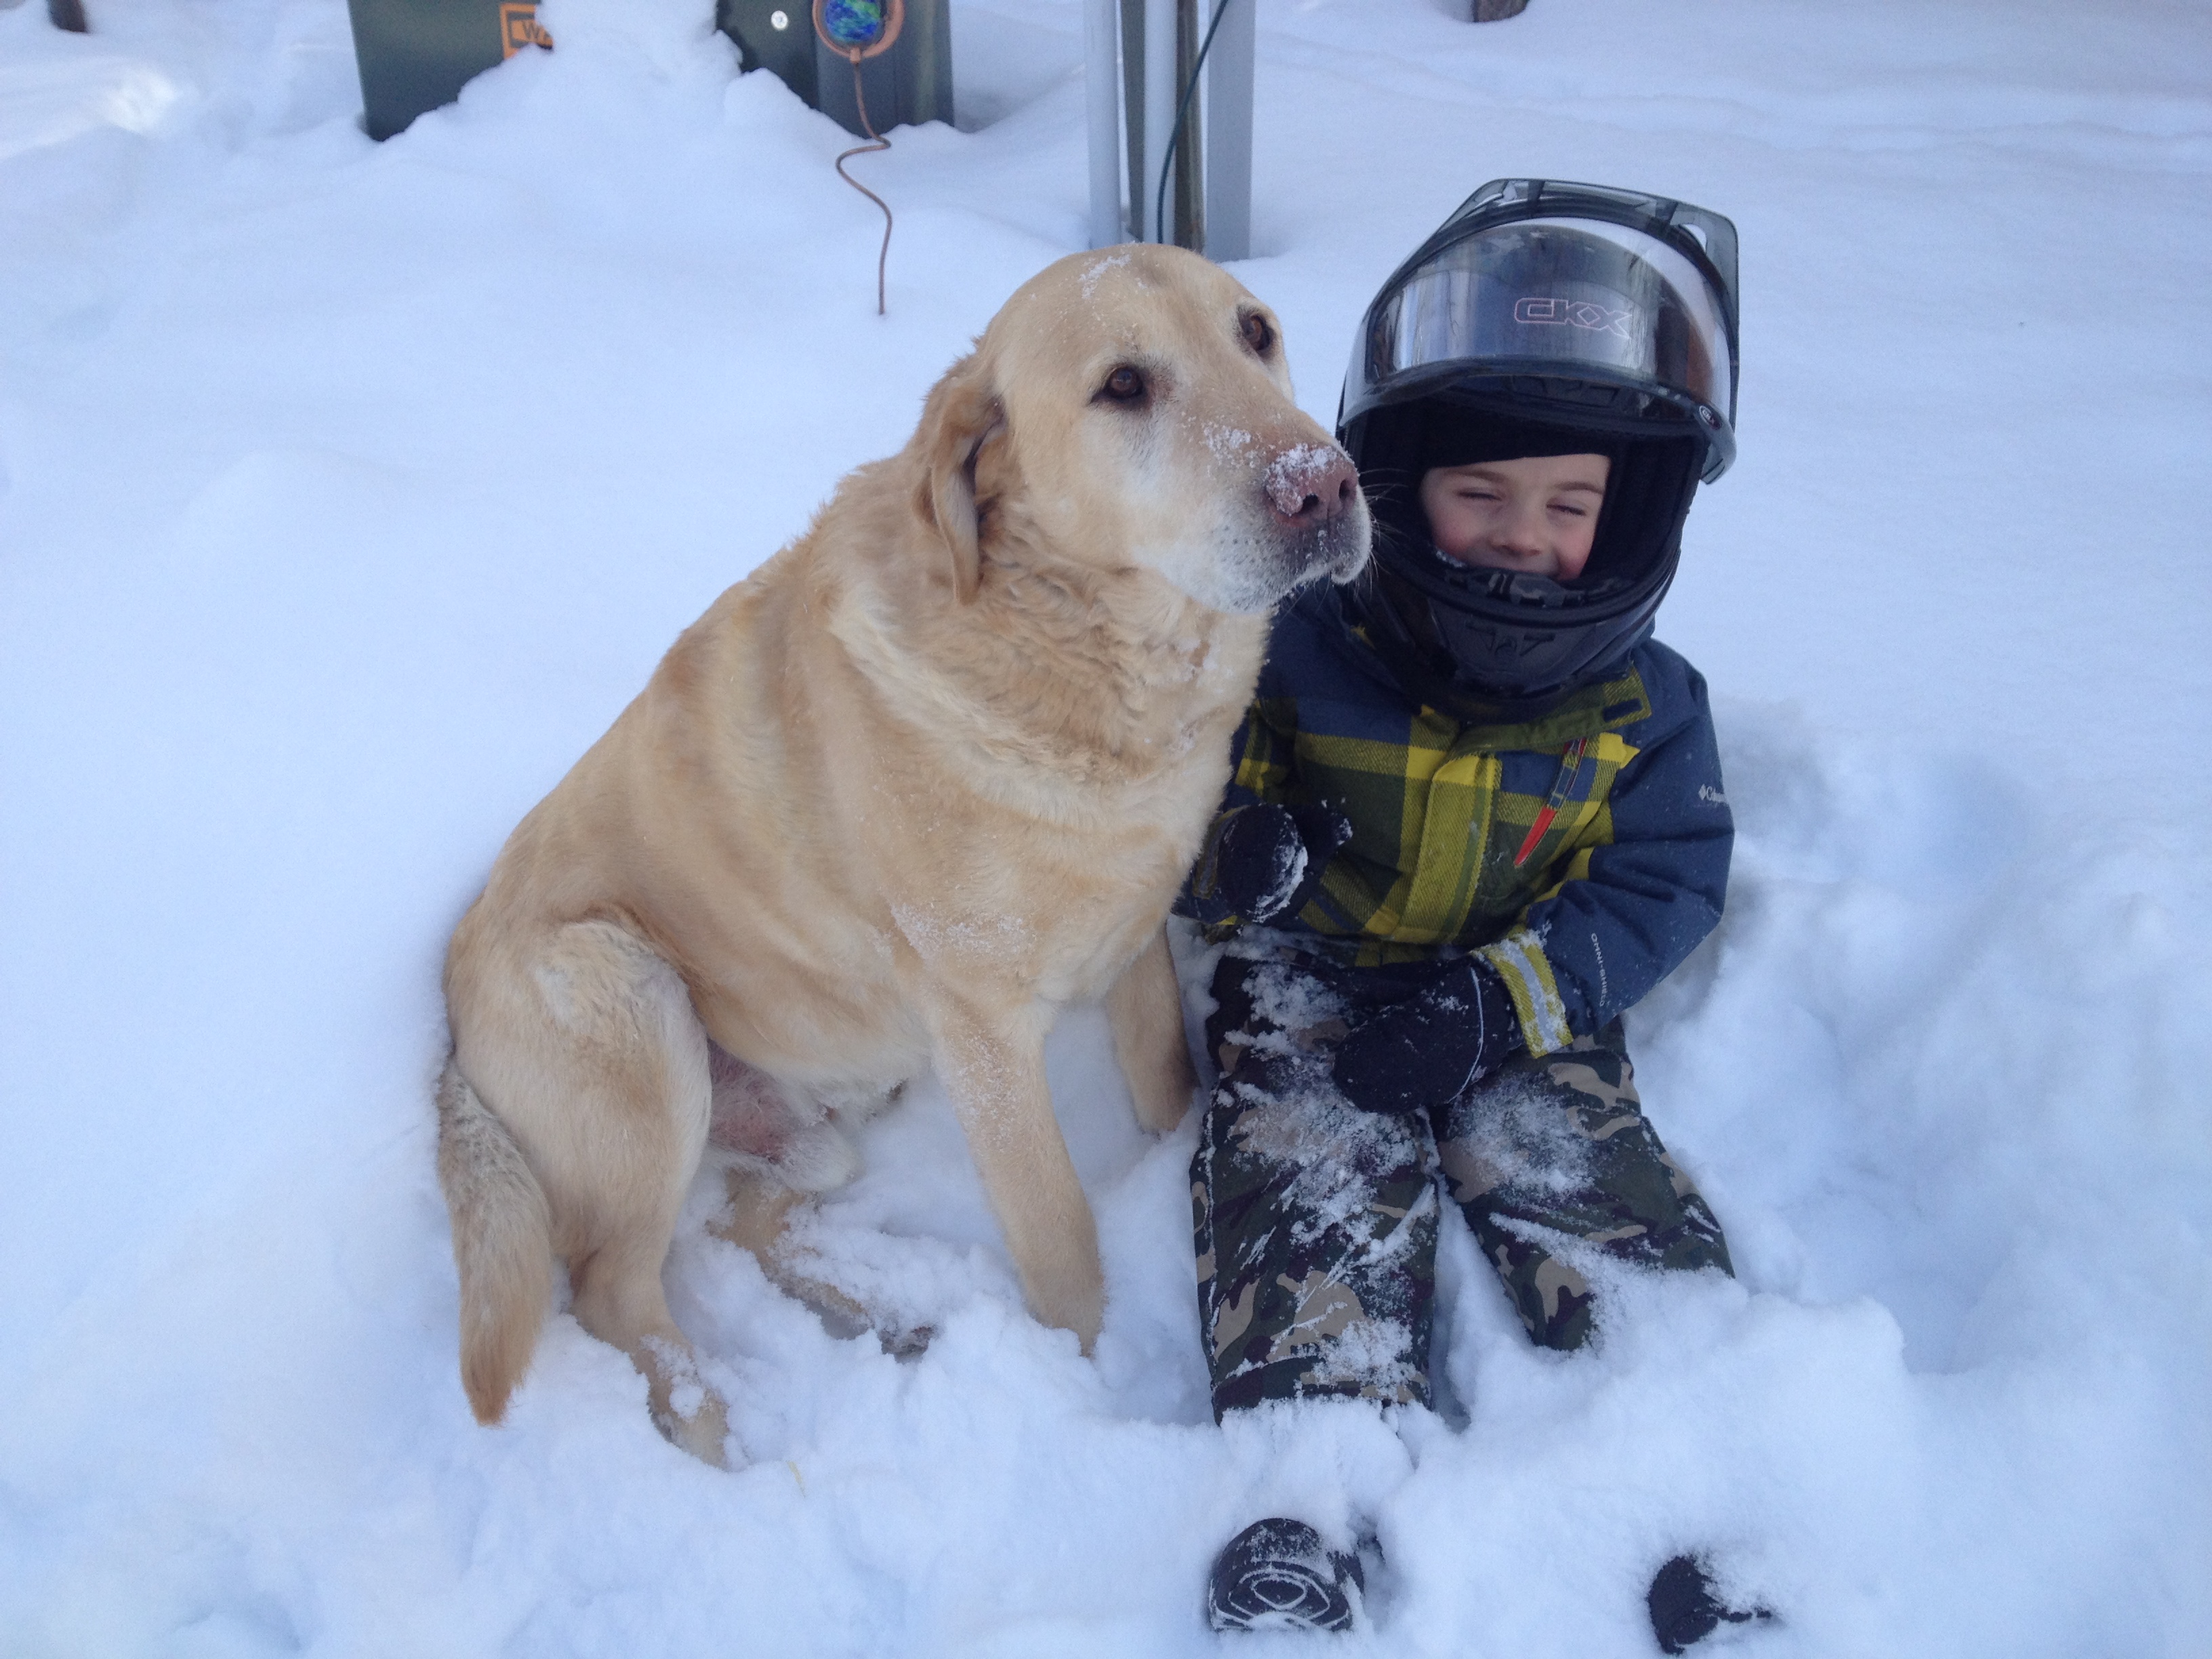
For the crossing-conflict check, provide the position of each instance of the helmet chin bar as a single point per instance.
(1523, 590)
(1493, 667)
(1485, 636)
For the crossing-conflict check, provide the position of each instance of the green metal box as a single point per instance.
(414, 55)
(910, 83)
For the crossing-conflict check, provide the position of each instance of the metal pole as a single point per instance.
(1229, 134)
(1160, 90)
(1186, 186)
(1132, 115)
(1101, 30)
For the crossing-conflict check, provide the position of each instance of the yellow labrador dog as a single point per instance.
(931, 774)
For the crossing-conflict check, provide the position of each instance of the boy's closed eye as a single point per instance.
(1574, 503)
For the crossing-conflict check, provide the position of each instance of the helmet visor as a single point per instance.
(1564, 298)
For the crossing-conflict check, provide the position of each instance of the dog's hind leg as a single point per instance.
(584, 1044)
(755, 1219)
(786, 1149)
(620, 1301)
(1144, 1009)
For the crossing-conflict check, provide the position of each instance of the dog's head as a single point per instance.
(1131, 408)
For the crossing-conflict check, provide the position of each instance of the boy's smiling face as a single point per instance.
(1536, 515)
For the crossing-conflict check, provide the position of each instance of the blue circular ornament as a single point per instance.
(850, 23)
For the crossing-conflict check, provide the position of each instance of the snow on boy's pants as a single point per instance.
(1316, 1222)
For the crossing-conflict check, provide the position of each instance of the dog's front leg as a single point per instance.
(992, 1061)
(1145, 1008)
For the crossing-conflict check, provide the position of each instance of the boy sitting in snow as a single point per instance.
(1477, 814)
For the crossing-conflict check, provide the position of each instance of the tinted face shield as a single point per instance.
(1602, 309)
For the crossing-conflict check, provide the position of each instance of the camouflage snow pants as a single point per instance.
(1316, 1222)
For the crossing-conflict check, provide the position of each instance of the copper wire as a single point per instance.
(880, 143)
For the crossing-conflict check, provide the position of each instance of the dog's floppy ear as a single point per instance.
(962, 415)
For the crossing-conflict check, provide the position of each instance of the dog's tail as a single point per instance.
(502, 1244)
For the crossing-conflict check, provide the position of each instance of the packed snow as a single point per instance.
(348, 491)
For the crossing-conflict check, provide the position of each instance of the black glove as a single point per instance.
(1423, 1051)
(1266, 861)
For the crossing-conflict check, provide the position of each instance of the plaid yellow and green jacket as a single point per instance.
(1584, 853)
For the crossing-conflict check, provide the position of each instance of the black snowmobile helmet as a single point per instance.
(1542, 319)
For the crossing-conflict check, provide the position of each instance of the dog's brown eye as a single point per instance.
(1124, 385)
(1257, 334)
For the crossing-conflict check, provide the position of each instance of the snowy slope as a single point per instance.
(347, 492)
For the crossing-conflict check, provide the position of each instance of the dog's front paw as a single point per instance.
(1077, 1303)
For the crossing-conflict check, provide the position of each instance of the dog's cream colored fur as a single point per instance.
(928, 776)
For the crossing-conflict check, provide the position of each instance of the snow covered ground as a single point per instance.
(347, 492)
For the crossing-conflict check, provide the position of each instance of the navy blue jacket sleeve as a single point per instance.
(1651, 890)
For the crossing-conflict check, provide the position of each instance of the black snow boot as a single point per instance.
(1278, 1575)
(1684, 1607)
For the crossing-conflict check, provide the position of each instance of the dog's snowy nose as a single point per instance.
(1311, 484)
